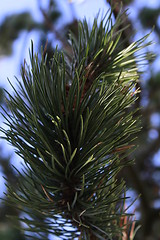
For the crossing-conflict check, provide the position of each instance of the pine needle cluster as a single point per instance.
(73, 124)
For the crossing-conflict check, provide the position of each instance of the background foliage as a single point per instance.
(143, 178)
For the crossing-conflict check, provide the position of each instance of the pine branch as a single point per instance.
(71, 122)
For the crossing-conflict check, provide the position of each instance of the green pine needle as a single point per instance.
(73, 125)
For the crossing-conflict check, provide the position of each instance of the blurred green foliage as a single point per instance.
(10, 29)
(149, 16)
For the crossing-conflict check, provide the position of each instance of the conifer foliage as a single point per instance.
(72, 123)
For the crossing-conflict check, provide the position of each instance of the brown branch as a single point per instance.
(58, 35)
(149, 149)
(52, 29)
(127, 32)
